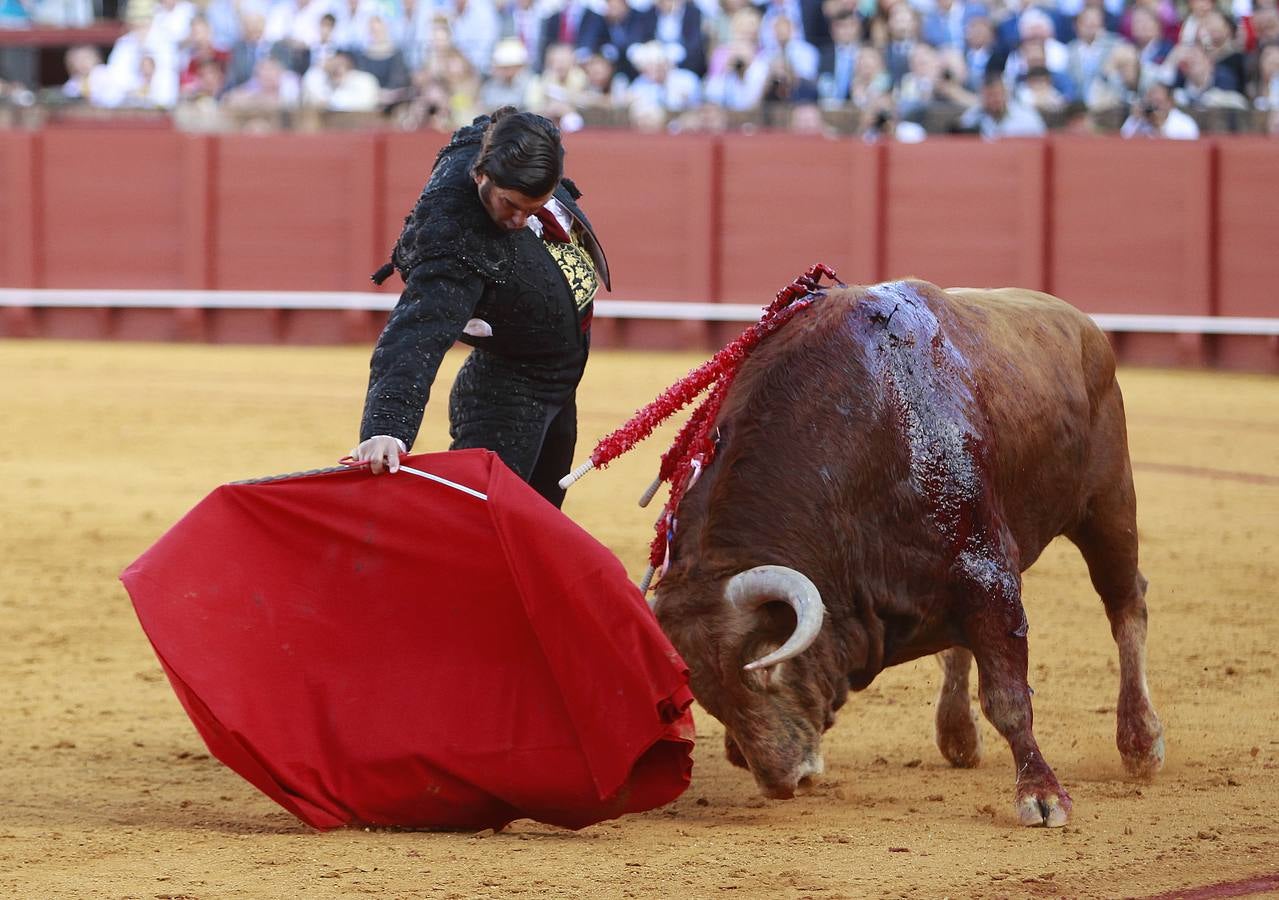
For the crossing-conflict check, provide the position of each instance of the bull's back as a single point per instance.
(973, 397)
(1053, 355)
(1023, 375)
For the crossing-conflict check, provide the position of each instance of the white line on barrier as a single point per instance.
(608, 309)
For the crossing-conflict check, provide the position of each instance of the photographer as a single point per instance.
(1156, 116)
(881, 124)
(931, 93)
(738, 73)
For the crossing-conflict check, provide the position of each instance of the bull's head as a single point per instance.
(744, 639)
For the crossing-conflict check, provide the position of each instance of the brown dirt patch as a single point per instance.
(107, 791)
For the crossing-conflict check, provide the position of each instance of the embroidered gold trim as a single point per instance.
(578, 270)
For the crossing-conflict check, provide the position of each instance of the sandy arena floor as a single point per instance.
(106, 790)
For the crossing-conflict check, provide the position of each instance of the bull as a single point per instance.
(887, 466)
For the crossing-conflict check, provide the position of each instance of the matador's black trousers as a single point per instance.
(526, 415)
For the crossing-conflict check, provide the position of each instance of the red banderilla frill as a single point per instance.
(694, 446)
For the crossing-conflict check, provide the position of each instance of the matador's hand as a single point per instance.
(379, 450)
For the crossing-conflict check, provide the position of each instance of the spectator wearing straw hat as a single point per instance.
(509, 78)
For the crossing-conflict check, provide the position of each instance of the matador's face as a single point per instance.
(508, 208)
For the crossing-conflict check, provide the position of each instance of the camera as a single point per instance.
(1148, 109)
(739, 66)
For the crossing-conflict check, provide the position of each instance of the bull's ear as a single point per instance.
(766, 679)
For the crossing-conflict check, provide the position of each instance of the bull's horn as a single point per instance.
(750, 590)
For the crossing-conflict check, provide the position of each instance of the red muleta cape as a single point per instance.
(389, 650)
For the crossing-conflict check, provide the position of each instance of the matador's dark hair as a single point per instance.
(521, 152)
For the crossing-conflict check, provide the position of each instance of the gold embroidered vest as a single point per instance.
(578, 269)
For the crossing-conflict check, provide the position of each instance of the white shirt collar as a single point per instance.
(561, 213)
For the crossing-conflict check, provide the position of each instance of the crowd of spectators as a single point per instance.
(882, 68)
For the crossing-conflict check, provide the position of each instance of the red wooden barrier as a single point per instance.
(1247, 239)
(110, 216)
(408, 162)
(787, 202)
(1132, 232)
(111, 206)
(18, 211)
(292, 212)
(966, 213)
(1132, 225)
(649, 197)
(652, 201)
(1247, 247)
(295, 212)
(1111, 226)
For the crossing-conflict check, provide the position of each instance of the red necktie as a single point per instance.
(552, 230)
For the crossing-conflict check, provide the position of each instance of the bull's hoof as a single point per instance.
(1046, 810)
(1140, 738)
(1144, 763)
(958, 735)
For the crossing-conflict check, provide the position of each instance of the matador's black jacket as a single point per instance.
(515, 395)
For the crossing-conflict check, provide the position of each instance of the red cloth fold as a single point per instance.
(388, 650)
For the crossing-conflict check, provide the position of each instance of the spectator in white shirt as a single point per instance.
(475, 28)
(1156, 116)
(86, 75)
(1087, 54)
(293, 30)
(170, 25)
(341, 87)
(800, 56)
(352, 28)
(297, 21)
(1036, 26)
(998, 116)
(272, 88)
(659, 83)
(127, 52)
(153, 86)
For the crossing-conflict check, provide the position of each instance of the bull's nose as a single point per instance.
(813, 764)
